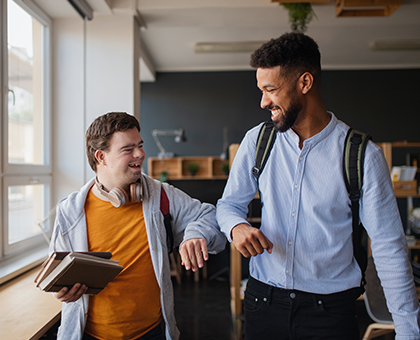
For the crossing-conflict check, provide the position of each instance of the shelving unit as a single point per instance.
(176, 167)
(387, 148)
(235, 271)
(410, 190)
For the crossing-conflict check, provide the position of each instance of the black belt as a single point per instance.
(277, 292)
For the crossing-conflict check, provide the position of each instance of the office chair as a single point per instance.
(376, 305)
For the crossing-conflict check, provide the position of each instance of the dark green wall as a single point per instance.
(383, 103)
(202, 103)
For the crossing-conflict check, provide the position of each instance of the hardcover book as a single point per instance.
(65, 269)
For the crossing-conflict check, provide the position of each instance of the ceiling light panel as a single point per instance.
(395, 45)
(227, 47)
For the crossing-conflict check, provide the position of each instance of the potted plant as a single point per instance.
(300, 15)
(163, 176)
(193, 168)
(225, 168)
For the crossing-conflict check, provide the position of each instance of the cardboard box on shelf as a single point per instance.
(405, 188)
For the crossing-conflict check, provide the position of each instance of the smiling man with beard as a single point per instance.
(304, 279)
(118, 211)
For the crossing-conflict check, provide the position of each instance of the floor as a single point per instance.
(202, 310)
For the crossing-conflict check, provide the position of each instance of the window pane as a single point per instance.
(26, 209)
(24, 43)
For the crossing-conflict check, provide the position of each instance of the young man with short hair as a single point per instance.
(119, 211)
(304, 278)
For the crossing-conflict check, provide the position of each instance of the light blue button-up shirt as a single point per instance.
(306, 214)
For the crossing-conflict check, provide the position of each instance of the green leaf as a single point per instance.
(300, 15)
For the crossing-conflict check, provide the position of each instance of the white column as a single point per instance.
(96, 71)
(68, 107)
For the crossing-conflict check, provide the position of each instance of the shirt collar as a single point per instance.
(292, 136)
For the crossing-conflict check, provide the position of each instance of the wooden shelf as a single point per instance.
(403, 195)
(416, 246)
(387, 149)
(363, 8)
(405, 145)
(177, 167)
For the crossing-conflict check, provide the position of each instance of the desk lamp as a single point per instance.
(179, 137)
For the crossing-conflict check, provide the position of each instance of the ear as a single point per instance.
(306, 81)
(100, 157)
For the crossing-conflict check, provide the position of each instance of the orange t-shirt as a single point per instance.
(129, 306)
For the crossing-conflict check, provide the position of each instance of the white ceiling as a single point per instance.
(175, 26)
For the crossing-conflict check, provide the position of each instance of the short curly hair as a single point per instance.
(99, 133)
(295, 53)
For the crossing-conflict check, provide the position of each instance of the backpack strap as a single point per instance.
(353, 160)
(265, 142)
(167, 218)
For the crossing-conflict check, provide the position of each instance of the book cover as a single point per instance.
(92, 271)
(55, 259)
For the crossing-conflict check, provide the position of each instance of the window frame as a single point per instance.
(32, 242)
(24, 174)
(31, 8)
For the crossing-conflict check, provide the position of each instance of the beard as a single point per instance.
(288, 119)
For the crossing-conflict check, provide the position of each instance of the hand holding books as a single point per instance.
(71, 275)
(71, 294)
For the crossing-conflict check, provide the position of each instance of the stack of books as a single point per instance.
(65, 269)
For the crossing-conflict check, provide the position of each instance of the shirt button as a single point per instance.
(293, 214)
(292, 295)
(296, 186)
(301, 158)
(290, 243)
(287, 271)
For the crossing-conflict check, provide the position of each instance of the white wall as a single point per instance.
(95, 71)
(68, 107)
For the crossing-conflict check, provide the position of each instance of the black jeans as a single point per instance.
(157, 333)
(280, 314)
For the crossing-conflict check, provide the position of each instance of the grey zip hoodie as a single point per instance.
(190, 219)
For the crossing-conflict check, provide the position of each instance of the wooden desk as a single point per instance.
(26, 312)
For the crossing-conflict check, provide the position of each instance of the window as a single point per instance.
(26, 133)
(25, 84)
(28, 204)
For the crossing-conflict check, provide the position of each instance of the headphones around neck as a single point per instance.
(118, 196)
